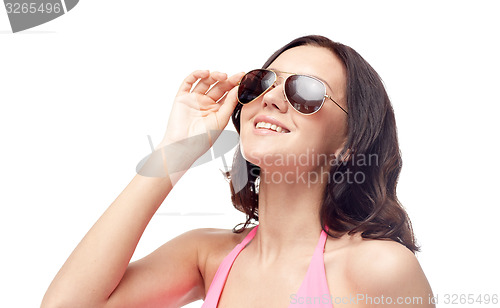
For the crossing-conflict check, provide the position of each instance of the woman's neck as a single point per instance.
(288, 214)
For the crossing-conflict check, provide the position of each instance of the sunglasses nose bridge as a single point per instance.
(277, 83)
(278, 79)
(275, 95)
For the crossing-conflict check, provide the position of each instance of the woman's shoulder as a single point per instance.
(361, 253)
(213, 245)
(208, 243)
(380, 258)
(375, 266)
(217, 238)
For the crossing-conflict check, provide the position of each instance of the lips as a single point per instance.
(269, 119)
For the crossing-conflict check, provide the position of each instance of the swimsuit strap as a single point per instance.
(215, 290)
(249, 236)
(314, 284)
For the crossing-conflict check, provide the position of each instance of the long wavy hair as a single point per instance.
(371, 206)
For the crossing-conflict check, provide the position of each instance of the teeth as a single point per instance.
(274, 127)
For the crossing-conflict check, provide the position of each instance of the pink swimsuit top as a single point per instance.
(313, 292)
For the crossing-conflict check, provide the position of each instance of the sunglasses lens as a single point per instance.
(253, 84)
(306, 94)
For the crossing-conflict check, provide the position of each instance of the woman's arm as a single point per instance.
(97, 265)
(97, 273)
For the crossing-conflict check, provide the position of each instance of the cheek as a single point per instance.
(333, 134)
(247, 111)
(316, 141)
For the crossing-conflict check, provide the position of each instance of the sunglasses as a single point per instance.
(304, 93)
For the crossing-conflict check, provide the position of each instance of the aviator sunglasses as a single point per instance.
(304, 93)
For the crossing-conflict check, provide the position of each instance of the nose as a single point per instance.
(275, 97)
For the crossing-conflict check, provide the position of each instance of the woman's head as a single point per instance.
(323, 132)
(361, 192)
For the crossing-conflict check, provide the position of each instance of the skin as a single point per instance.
(274, 263)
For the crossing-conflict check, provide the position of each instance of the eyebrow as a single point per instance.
(273, 69)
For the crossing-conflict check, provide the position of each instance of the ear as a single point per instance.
(342, 154)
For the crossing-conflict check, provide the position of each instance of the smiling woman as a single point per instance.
(370, 207)
(320, 240)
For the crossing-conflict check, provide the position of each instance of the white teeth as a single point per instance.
(274, 127)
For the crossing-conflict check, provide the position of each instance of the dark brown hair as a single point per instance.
(369, 206)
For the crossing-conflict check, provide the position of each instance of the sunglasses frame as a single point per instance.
(275, 72)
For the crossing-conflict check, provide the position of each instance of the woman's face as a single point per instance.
(309, 135)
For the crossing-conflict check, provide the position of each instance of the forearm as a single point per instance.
(98, 263)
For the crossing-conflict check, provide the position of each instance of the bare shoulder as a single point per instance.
(212, 246)
(380, 268)
(382, 260)
(212, 240)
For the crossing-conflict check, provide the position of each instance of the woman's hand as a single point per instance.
(202, 111)
(199, 114)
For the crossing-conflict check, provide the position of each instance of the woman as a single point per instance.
(317, 167)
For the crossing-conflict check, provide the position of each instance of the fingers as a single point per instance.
(200, 81)
(205, 83)
(223, 86)
(227, 105)
(229, 102)
(213, 84)
(190, 80)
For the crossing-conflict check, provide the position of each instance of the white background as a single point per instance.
(80, 94)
